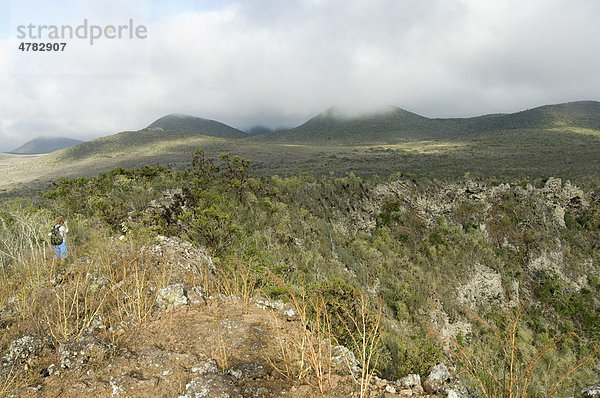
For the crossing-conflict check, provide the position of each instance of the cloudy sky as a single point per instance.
(280, 62)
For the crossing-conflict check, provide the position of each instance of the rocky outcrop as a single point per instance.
(172, 203)
(182, 255)
(591, 391)
(485, 286)
(26, 349)
(171, 296)
(211, 386)
(82, 351)
(439, 378)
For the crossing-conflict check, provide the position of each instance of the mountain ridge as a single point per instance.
(175, 122)
(41, 145)
(397, 124)
(557, 140)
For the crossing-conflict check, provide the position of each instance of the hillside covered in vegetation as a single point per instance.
(497, 280)
(45, 145)
(560, 141)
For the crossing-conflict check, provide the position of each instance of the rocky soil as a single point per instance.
(194, 348)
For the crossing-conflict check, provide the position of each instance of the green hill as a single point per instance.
(45, 145)
(580, 114)
(554, 140)
(196, 125)
(338, 126)
(167, 131)
(394, 125)
(132, 143)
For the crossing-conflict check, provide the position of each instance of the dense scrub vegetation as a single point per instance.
(413, 245)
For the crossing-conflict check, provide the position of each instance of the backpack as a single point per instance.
(55, 236)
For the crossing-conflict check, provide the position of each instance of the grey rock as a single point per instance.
(170, 205)
(438, 379)
(26, 349)
(172, 296)
(247, 370)
(211, 386)
(85, 350)
(178, 253)
(412, 381)
(205, 367)
(591, 391)
(196, 295)
(130, 384)
(343, 360)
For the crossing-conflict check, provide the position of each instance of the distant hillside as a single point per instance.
(133, 142)
(553, 140)
(196, 125)
(393, 125)
(256, 130)
(45, 145)
(580, 114)
(167, 131)
(338, 126)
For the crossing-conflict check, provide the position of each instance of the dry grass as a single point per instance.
(512, 377)
(365, 332)
(72, 307)
(134, 282)
(234, 278)
(23, 235)
(310, 351)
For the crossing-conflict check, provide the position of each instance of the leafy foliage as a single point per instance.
(405, 241)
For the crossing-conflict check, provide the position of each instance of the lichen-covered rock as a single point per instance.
(284, 308)
(85, 350)
(247, 370)
(485, 286)
(172, 296)
(412, 382)
(170, 205)
(343, 361)
(211, 386)
(132, 384)
(591, 391)
(196, 295)
(25, 350)
(205, 367)
(181, 254)
(438, 379)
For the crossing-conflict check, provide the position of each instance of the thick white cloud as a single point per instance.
(278, 63)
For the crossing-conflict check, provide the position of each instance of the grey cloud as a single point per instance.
(278, 63)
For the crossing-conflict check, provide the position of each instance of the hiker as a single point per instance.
(58, 237)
